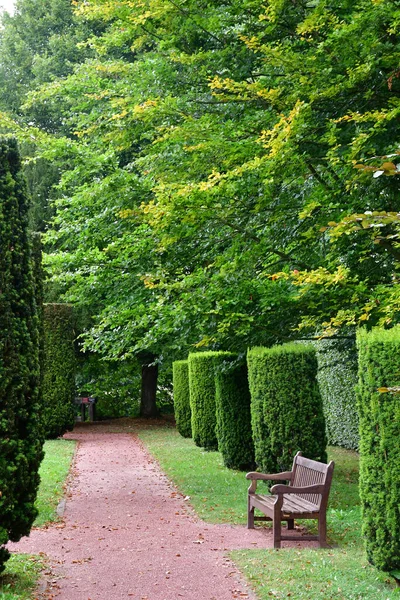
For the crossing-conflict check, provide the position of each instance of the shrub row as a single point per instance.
(183, 413)
(274, 410)
(287, 415)
(212, 402)
(379, 369)
(202, 399)
(337, 378)
(59, 370)
(232, 409)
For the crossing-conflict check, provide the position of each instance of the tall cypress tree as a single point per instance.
(20, 431)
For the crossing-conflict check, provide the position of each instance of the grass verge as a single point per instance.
(218, 495)
(53, 474)
(20, 578)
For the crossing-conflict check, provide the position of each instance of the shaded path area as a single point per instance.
(127, 533)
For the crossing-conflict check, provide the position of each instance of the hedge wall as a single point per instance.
(233, 418)
(20, 432)
(183, 414)
(337, 378)
(59, 370)
(286, 406)
(202, 398)
(379, 367)
(38, 280)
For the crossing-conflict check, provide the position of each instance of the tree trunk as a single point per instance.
(148, 406)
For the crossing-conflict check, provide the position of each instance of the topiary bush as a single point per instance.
(379, 367)
(183, 414)
(21, 436)
(233, 417)
(59, 370)
(337, 379)
(202, 398)
(286, 406)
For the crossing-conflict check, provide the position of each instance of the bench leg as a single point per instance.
(290, 524)
(276, 528)
(322, 531)
(250, 515)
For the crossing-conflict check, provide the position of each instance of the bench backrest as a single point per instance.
(310, 472)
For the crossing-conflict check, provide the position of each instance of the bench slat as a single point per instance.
(291, 504)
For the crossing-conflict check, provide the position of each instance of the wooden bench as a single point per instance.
(305, 497)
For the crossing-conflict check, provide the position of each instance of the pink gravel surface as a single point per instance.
(127, 533)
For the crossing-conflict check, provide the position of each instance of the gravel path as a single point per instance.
(127, 533)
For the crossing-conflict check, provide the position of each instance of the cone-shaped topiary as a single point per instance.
(183, 414)
(379, 410)
(232, 400)
(286, 406)
(21, 437)
(59, 370)
(202, 398)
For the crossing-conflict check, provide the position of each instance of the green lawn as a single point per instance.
(53, 473)
(20, 578)
(218, 495)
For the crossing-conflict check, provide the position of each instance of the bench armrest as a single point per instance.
(307, 489)
(286, 476)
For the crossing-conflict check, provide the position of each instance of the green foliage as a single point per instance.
(38, 44)
(115, 385)
(233, 418)
(183, 414)
(203, 153)
(59, 370)
(20, 430)
(202, 398)
(286, 406)
(337, 377)
(379, 367)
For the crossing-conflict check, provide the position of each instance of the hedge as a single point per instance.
(337, 378)
(183, 414)
(233, 418)
(59, 370)
(286, 406)
(38, 280)
(202, 398)
(20, 432)
(379, 367)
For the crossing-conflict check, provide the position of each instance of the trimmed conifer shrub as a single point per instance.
(20, 431)
(202, 398)
(183, 414)
(233, 418)
(286, 406)
(59, 370)
(337, 379)
(379, 410)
